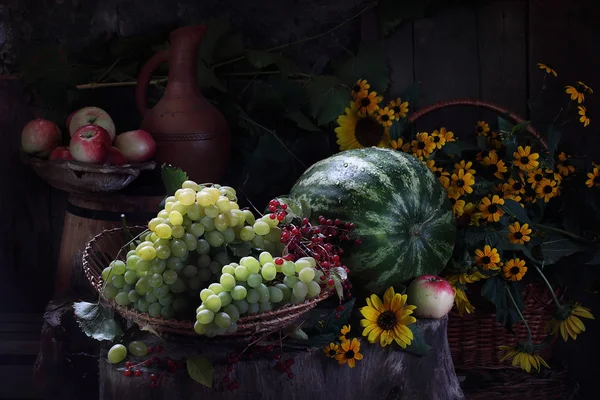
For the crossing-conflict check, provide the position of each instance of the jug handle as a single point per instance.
(144, 79)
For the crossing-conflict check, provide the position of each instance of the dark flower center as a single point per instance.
(493, 168)
(480, 129)
(452, 201)
(518, 235)
(438, 174)
(332, 352)
(421, 145)
(492, 208)
(368, 132)
(486, 260)
(548, 189)
(565, 163)
(365, 102)
(515, 270)
(349, 354)
(387, 320)
(356, 88)
(460, 183)
(396, 110)
(524, 160)
(530, 191)
(517, 186)
(597, 180)
(385, 118)
(436, 139)
(538, 177)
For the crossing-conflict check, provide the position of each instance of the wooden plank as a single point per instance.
(21, 327)
(17, 317)
(16, 382)
(399, 47)
(19, 347)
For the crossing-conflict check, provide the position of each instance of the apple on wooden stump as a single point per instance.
(115, 157)
(90, 143)
(433, 296)
(39, 137)
(94, 116)
(136, 146)
(61, 153)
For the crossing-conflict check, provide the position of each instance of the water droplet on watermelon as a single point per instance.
(345, 164)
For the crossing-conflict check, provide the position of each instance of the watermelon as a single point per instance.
(401, 211)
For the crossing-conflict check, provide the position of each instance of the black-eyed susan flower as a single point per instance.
(583, 118)
(361, 86)
(519, 234)
(463, 182)
(534, 177)
(343, 332)
(349, 352)
(482, 128)
(331, 350)
(385, 116)
(399, 144)
(466, 277)
(523, 356)
(549, 70)
(423, 146)
(546, 190)
(594, 178)
(525, 159)
(494, 140)
(490, 208)
(575, 94)
(488, 258)
(355, 132)
(443, 177)
(514, 270)
(448, 135)
(399, 108)
(585, 87)
(494, 165)
(515, 186)
(388, 321)
(564, 166)
(368, 103)
(438, 139)
(463, 305)
(458, 206)
(466, 165)
(567, 321)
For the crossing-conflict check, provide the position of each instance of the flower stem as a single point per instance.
(519, 311)
(547, 284)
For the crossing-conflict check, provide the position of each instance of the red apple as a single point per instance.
(115, 157)
(40, 137)
(92, 115)
(90, 143)
(432, 295)
(61, 153)
(136, 146)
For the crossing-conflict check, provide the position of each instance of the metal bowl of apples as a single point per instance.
(96, 159)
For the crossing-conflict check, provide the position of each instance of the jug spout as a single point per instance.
(183, 53)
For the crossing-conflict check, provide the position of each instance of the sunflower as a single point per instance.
(586, 88)
(438, 139)
(355, 132)
(466, 165)
(548, 69)
(546, 190)
(523, 356)
(575, 94)
(400, 145)
(359, 87)
(344, 331)
(567, 321)
(514, 269)
(349, 351)
(399, 108)
(534, 177)
(495, 166)
(368, 103)
(490, 208)
(564, 166)
(594, 178)
(495, 141)
(448, 135)
(463, 181)
(488, 258)
(482, 128)
(462, 302)
(584, 119)
(387, 321)
(458, 206)
(331, 350)
(519, 234)
(423, 146)
(525, 159)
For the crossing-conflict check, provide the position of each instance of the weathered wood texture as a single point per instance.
(382, 374)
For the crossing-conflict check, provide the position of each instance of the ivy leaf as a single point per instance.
(262, 59)
(418, 346)
(96, 321)
(207, 78)
(216, 28)
(302, 121)
(552, 140)
(327, 98)
(514, 209)
(554, 250)
(369, 63)
(201, 370)
(241, 249)
(172, 178)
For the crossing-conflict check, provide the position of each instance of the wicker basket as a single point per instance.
(105, 247)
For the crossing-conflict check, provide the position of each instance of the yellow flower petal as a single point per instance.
(377, 304)
(369, 313)
(388, 295)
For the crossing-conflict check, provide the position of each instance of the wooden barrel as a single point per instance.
(89, 214)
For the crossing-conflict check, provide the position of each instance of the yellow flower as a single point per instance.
(523, 358)
(399, 108)
(490, 208)
(535, 177)
(494, 140)
(515, 186)
(575, 94)
(344, 331)
(386, 322)
(524, 159)
(594, 178)
(458, 206)
(423, 146)
(584, 119)
(443, 176)
(349, 351)
(546, 190)
(513, 197)
(482, 128)
(448, 135)
(331, 350)
(548, 69)
(385, 116)
(367, 103)
(438, 139)
(400, 145)
(519, 234)
(466, 165)
(463, 181)
(466, 277)
(359, 87)
(564, 167)
(495, 166)
(514, 270)
(488, 258)
(355, 132)
(585, 87)
(567, 321)
(462, 302)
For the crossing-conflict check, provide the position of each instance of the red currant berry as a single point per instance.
(295, 231)
(159, 348)
(337, 222)
(128, 364)
(180, 365)
(280, 216)
(337, 315)
(229, 368)
(127, 372)
(284, 206)
(235, 385)
(279, 261)
(274, 203)
(322, 277)
(330, 282)
(170, 364)
(271, 208)
(335, 258)
(357, 242)
(277, 357)
(339, 308)
(150, 350)
(137, 372)
(148, 363)
(272, 216)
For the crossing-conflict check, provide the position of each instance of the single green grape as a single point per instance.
(228, 269)
(233, 312)
(117, 353)
(133, 296)
(138, 348)
(272, 222)
(287, 292)
(158, 266)
(203, 247)
(122, 298)
(252, 308)
(142, 286)
(307, 274)
(130, 277)
(234, 217)
(199, 328)
(227, 281)
(118, 281)
(205, 317)
(252, 296)
(228, 235)
(163, 231)
(269, 271)
(214, 238)
(301, 264)
(150, 297)
(311, 261)
(156, 280)
(204, 293)
(288, 268)
(300, 290)
(178, 248)
(247, 233)
(187, 197)
(265, 306)
(221, 222)
(147, 253)
(251, 264)
(177, 206)
(109, 291)
(130, 253)
(241, 305)
(191, 185)
(162, 214)
(254, 280)
(106, 273)
(195, 212)
(175, 263)
(213, 303)
(290, 281)
(241, 273)
(239, 292)
(216, 288)
(222, 320)
(250, 219)
(143, 266)
(223, 204)
(154, 309)
(169, 277)
(160, 291)
(163, 251)
(142, 305)
(211, 211)
(190, 241)
(225, 298)
(313, 289)
(167, 312)
(178, 286)
(275, 294)
(118, 267)
(132, 262)
(196, 229)
(154, 222)
(258, 242)
(263, 293)
(166, 300)
(190, 270)
(208, 223)
(261, 228)
(178, 231)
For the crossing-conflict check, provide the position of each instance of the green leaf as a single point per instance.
(172, 178)
(302, 121)
(333, 324)
(290, 93)
(482, 143)
(228, 46)
(520, 127)
(418, 346)
(327, 98)
(370, 63)
(201, 370)
(287, 67)
(557, 248)
(458, 147)
(515, 210)
(216, 28)
(298, 334)
(552, 140)
(510, 145)
(504, 125)
(595, 260)
(505, 245)
(321, 340)
(241, 249)
(262, 59)
(96, 321)
(207, 78)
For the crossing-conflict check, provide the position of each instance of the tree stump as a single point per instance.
(384, 373)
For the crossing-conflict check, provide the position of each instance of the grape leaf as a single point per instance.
(557, 248)
(327, 98)
(96, 321)
(216, 28)
(172, 178)
(302, 121)
(201, 370)
(369, 63)
(241, 249)
(207, 78)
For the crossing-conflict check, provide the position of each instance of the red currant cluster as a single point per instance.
(153, 362)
